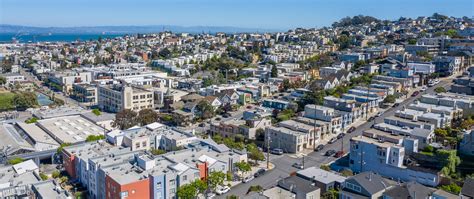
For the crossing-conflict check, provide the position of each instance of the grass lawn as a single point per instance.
(6, 100)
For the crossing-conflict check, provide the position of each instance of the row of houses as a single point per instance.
(124, 168)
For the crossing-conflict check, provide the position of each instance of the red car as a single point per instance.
(415, 93)
(339, 154)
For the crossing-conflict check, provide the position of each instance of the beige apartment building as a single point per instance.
(116, 98)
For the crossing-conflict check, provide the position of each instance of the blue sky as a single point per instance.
(276, 14)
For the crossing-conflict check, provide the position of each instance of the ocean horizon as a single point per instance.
(54, 37)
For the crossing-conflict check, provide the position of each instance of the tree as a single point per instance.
(330, 194)
(441, 132)
(187, 191)
(390, 99)
(24, 100)
(215, 179)
(147, 116)
(260, 134)
(165, 53)
(3, 80)
(467, 124)
(440, 90)
(157, 151)
(254, 153)
(255, 188)
(274, 71)
(200, 186)
(96, 112)
(205, 109)
(125, 119)
(243, 167)
(450, 160)
(412, 41)
(452, 188)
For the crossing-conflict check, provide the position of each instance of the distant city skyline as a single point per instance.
(266, 14)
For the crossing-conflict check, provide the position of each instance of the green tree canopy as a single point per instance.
(147, 116)
(274, 72)
(440, 90)
(215, 179)
(205, 109)
(390, 99)
(125, 119)
(24, 100)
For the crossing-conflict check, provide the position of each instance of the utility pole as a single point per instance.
(268, 150)
(303, 161)
(367, 109)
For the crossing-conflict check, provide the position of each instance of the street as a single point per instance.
(283, 164)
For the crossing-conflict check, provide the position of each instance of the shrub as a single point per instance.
(43, 176)
(15, 161)
(96, 112)
(56, 174)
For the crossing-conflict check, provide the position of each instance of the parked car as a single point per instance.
(352, 129)
(379, 114)
(332, 140)
(339, 154)
(423, 89)
(330, 152)
(340, 135)
(319, 147)
(415, 93)
(247, 179)
(259, 172)
(202, 125)
(298, 165)
(222, 190)
(277, 151)
(371, 119)
(396, 104)
(210, 195)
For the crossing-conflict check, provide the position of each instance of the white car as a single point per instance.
(247, 179)
(423, 89)
(222, 190)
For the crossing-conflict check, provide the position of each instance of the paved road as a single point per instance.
(283, 164)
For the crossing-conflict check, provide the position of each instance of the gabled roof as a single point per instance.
(409, 190)
(371, 182)
(296, 184)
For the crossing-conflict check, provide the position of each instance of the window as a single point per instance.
(172, 182)
(185, 177)
(158, 185)
(137, 145)
(173, 190)
(124, 194)
(144, 144)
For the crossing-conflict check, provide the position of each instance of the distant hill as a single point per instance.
(14, 29)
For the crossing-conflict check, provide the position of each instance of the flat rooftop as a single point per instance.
(321, 175)
(11, 138)
(58, 112)
(372, 141)
(70, 129)
(36, 133)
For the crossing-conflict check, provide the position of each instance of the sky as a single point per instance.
(269, 14)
